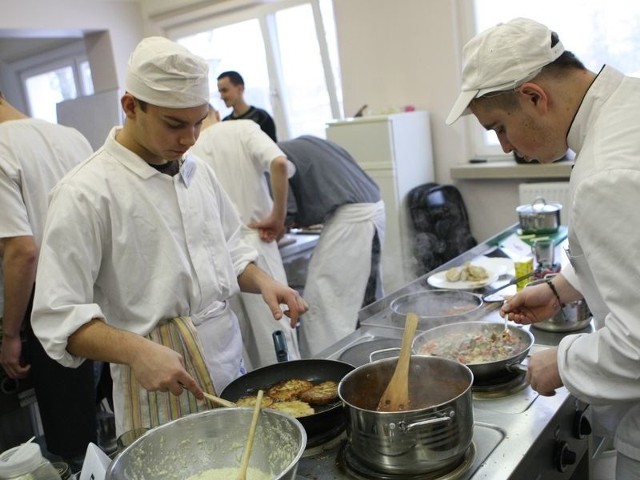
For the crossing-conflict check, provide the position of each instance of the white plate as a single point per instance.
(499, 265)
(493, 267)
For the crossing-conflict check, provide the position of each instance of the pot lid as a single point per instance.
(539, 205)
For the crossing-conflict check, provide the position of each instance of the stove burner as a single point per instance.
(501, 386)
(354, 468)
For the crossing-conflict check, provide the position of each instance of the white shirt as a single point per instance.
(603, 368)
(28, 174)
(129, 244)
(240, 154)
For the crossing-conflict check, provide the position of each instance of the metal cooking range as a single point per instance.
(517, 434)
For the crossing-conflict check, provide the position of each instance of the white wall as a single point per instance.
(399, 53)
(121, 20)
(408, 52)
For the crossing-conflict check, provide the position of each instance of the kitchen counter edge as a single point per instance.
(508, 169)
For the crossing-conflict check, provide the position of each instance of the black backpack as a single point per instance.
(441, 225)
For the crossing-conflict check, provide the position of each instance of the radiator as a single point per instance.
(552, 192)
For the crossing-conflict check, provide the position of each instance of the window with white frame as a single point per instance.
(287, 54)
(597, 32)
(46, 83)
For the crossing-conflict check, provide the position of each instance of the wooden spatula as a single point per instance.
(396, 396)
(244, 464)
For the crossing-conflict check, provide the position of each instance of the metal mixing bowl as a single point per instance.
(213, 439)
(574, 316)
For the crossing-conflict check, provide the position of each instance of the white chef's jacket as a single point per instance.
(603, 368)
(240, 153)
(28, 176)
(134, 246)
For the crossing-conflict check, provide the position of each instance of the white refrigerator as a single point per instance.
(395, 150)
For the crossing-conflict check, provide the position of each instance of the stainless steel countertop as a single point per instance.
(525, 419)
(301, 243)
(521, 417)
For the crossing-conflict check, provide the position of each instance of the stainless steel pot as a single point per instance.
(213, 439)
(539, 217)
(434, 434)
(574, 316)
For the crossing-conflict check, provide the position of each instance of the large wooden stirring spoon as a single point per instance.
(244, 464)
(396, 396)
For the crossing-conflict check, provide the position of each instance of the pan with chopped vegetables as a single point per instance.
(487, 348)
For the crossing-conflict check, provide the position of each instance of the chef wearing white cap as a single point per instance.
(519, 81)
(142, 248)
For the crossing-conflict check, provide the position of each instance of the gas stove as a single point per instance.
(518, 434)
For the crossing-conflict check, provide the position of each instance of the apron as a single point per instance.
(145, 409)
(256, 320)
(211, 348)
(338, 274)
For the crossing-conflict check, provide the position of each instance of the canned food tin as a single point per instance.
(524, 266)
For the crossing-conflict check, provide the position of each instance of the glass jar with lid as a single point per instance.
(25, 462)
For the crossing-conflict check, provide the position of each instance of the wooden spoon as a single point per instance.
(396, 396)
(214, 399)
(244, 465)
(218, 400)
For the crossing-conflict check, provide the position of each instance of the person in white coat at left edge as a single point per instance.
(142, 249)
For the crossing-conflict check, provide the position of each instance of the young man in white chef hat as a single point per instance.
(519, 81)
(142, 249)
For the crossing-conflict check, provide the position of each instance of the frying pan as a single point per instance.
(435, 307)
(485, 370)
(328, 421)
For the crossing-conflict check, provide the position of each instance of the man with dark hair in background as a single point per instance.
(231, 88)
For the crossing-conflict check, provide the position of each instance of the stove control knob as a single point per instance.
(563, 456)
(581, 424)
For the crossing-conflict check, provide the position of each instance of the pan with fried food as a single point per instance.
(327, 421)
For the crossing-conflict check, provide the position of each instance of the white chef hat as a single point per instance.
(501, 58)
(166, 74)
